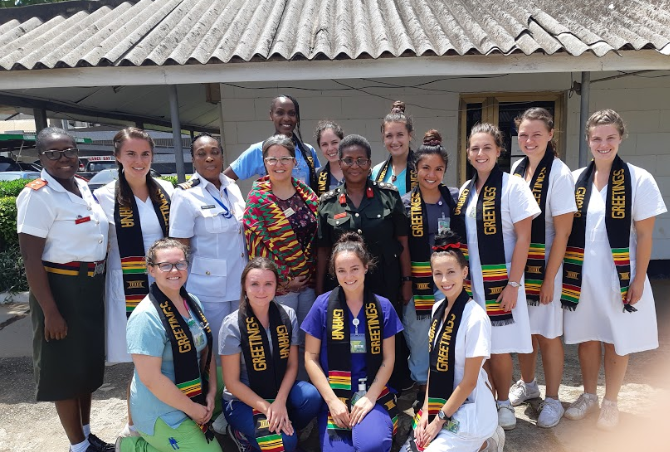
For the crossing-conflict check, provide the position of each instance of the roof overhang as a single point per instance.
(272, 71)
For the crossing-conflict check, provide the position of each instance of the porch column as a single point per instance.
(583, 117)
(176, 133)
(40, 115)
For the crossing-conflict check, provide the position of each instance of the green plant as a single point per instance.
(12, 272)
(12, 187)
(171, 179)
(8, 236)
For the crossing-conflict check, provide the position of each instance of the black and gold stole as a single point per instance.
(131, 244)
(339, 353)
(311, 166)
(617, 222)
(323, 179)
(419, 250)
(191, 379)
(490, 242)
(411, 177)
(265, 369)
(442, 358)
(539, 185)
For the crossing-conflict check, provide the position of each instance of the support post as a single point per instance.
(583, 117)
(176, 133)
(40, 115)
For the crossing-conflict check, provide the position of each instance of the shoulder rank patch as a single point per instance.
(37, 184)
(387, 186)
(327, 195)
(193, 182)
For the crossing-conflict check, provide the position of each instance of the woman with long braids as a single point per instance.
(458, 412)
(264, 404)
(551, 182)
(430, 208)
(171, 398)
(399, 168)
(606, 293)
(350, 353)
(328, 136)
(285, 115)
(497, 211)
(137, 207)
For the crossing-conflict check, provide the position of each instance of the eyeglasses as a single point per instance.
(360, 161)
(168, 266)
(56, 155)
(272, 161)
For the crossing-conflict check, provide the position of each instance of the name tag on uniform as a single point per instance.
(340, 215)
(81, 219)
(288, 212)
(208, 206)
(357, 342)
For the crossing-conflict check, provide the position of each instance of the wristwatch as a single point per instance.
(513, 284)
(443, 416)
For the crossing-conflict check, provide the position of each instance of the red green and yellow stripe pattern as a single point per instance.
(424, 302)
(493, 274)
(574, 255)
(132, 301)
(270, 443)
(536, 251)
(333, 426)
(421, 270)
(435, 404)
(191, 388)
(621, 256)
(133, 265)
(68, 269)
(467, 283)
(339, 380)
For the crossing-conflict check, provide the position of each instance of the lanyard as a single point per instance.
(226, 212)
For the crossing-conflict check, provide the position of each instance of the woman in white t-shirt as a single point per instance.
(459, 412)
(551, 182)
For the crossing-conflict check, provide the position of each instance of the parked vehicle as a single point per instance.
(89, 166)
(14, 175)
(106, 176)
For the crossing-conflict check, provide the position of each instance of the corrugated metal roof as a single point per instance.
(180, 32)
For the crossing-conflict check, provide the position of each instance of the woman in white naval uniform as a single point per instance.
(206, 214)
(133, 149)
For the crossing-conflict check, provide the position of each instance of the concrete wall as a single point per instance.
(643, 101)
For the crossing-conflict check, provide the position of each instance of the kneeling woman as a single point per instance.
(459, 412)
(171, 345)
(350, 343)
(264, 405)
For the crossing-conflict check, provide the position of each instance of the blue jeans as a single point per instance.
(301, 302)
(303, 404)
(416, 335)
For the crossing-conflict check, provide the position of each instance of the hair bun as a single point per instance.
(432, 138)
(352, 237)
(448, 237)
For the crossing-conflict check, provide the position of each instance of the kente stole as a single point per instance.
(411, 177)
(265, 369)
(131, 244)
(617, 222)
(190, 378)
(490, 242)
(269, 233)
(419, 250)
(339, 353)
(535, 265)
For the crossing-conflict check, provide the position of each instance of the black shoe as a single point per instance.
(98, 445)
(418, 403)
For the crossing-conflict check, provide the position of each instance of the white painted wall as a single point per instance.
(643, 102)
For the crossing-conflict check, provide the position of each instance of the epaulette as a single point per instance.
(193, 182)
(387, 186)
(328, 195)
(37, 184)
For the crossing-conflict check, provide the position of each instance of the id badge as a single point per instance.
(357, 342)
(453, 425)
(442, 224)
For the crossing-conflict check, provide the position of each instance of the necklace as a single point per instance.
(394, 178)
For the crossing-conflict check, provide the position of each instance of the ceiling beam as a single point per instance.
(94, 114)
(273, 71)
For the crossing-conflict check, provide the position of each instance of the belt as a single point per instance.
(75, 268)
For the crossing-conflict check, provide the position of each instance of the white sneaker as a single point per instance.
(551, 412)
(506, 416)
(522, 391)
(582, 407)
(609, 415)
(496, 442)
(220, 425)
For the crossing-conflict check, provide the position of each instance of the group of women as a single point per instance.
(356, 282)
